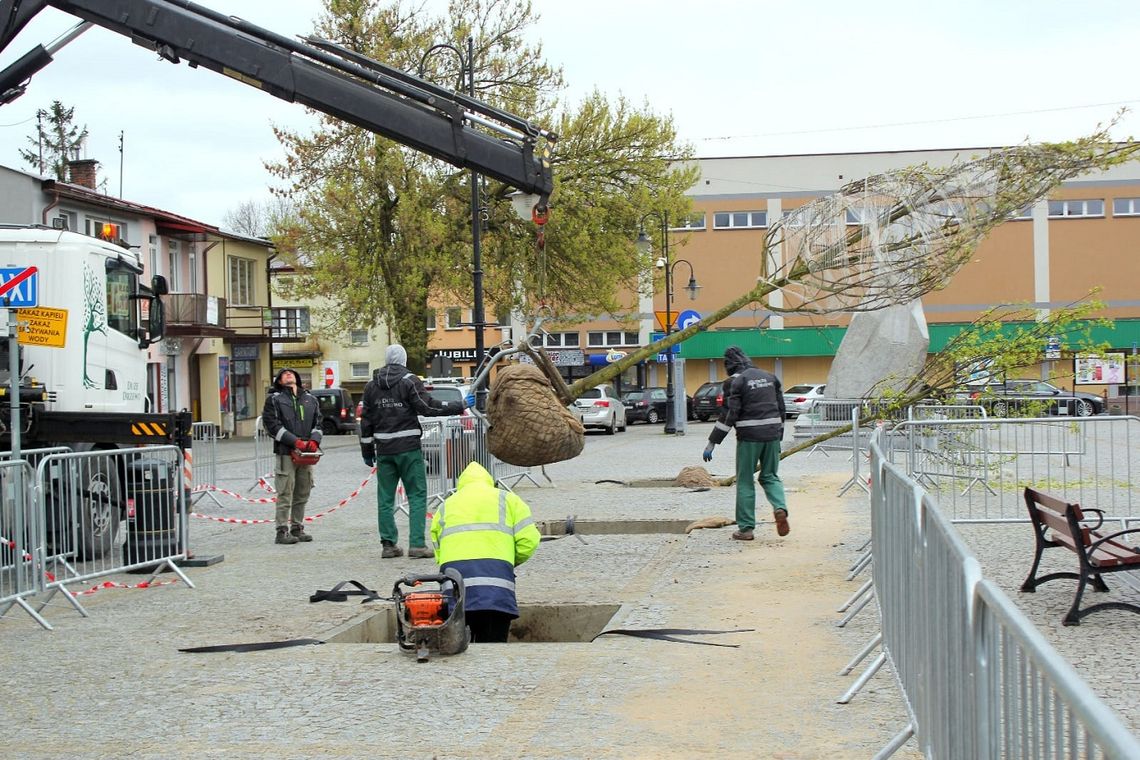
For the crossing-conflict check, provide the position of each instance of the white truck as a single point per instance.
(82, 359)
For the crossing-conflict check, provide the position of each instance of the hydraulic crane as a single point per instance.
(317, 73)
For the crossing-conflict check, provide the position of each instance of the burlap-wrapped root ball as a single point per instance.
(529, 426)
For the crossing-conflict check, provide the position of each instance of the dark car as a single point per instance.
(648, 405)
(338, 415)
(707, 401)
(1034, 397)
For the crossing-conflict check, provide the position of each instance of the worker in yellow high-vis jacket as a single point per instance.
(485, 533)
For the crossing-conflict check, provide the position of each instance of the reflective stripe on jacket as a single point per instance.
(393, 402)
(484, 533)
(754, 405)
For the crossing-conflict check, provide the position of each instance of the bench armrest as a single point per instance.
(1113, 537)
(1099, 517)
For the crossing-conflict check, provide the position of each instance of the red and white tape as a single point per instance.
(308, 518)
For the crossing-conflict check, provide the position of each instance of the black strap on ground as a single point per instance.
(340, 594)
(670, 634)
(254, 647)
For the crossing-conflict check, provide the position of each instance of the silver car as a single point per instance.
(800, 399)
(600, 408)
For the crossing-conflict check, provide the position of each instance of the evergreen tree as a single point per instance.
(57, 140)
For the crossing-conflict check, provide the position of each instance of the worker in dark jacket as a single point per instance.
(754, 405)
(390, 440)
(292, 418)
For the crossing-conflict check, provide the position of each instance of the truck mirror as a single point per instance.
(155, 323)
(158, 285)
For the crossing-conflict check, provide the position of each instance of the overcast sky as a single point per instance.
(740, 77)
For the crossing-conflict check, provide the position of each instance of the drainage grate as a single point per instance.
(537, 623)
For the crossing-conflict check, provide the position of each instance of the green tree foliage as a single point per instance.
(380, 229)
(56, 141)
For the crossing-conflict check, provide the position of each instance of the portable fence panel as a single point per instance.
(1031, 703)
(19, 534)
(112, 511)
(262, 453)
(978, 468)
(203, 456)
(977, 679)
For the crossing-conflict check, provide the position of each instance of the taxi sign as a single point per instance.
(19, 287)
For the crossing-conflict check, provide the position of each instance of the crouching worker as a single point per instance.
(485, 533)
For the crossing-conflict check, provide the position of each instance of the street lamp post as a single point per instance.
(646, 245)
(467, 72)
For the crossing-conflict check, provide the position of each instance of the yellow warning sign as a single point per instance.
(43, 327)
(661, 319)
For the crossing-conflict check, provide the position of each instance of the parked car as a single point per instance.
(800, 399)
(600, 408)
(338, 415)
(649, 405)
(708, 400)
(1033, 397)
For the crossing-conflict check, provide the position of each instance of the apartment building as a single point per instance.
(215, 359)
(1083, 236)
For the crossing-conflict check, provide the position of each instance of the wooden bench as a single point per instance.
(1058, 523)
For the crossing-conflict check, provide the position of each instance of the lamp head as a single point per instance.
(644, 244)
(660, 263)
(693, 288)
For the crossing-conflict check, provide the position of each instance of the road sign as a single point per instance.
(686, 318)
(674, 349)
(19, 287)
(661, 318)
(43, 327)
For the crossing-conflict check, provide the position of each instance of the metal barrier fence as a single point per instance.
(450, 443)
(978, 468)
(19, 537)
(262, 453)
(81, 501)
(977, 678)
(203, 460)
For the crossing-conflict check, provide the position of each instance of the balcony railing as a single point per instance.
(195, 310)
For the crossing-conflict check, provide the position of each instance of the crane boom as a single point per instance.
(317, 74)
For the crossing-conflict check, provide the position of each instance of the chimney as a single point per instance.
(81, 171)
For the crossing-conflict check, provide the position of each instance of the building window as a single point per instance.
(1126, 207)
(431, 320)
(290, 323)
(690, 222)
(503, 316)
(562, 340)
(153, 249)
(454, 316)
(1024, 214)
(241, 281)
(611, 338)
(173, 250)
(739, 220)
(358, 337)
(358, 369)
(1067, 209)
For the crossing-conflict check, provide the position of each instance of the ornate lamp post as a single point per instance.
(646, 245)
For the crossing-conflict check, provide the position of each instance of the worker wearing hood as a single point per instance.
(390, 432)
(292, 418)
(484, 533)
(754, 406)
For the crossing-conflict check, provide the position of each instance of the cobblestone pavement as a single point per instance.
(114, 684)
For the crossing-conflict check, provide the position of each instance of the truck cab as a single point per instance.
(83, 342)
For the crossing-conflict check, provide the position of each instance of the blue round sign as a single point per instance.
(687, 318)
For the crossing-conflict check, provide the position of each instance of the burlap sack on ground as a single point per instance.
(694, 477)
(529, 426)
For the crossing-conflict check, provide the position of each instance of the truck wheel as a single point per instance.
(99, 508)
(328, 427)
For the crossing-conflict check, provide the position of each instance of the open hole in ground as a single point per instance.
(537, 623)
(610, 527)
